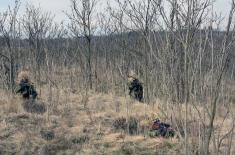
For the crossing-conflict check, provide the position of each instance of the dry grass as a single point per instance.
(76, 123)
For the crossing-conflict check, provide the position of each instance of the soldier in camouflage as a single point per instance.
(135, 87)
(26, 87)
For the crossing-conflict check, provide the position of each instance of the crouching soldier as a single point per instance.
(26, 88)
(135, 87)
(28, 92)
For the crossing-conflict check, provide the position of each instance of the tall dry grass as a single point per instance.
(79, 122)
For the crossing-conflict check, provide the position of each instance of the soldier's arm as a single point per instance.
(18, 90)
(34, 92)
(129, 85)
(21, 87)
(32, 86)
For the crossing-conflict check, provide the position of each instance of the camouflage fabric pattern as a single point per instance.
(27, 90)
(161, 129)
(135, 89)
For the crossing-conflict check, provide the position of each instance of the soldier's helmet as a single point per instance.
(24, 75)
(131, 76)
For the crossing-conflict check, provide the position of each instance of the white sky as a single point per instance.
(58, 6)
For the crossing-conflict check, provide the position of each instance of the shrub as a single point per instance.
(129, 125)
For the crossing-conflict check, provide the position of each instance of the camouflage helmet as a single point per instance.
(132, 74)
(24, 74)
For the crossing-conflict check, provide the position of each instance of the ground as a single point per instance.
(77, 123)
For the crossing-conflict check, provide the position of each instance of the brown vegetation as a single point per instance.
(99, 128)
(178, 51)
(69, 128)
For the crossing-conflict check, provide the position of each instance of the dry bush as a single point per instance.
(34, 106)
(130, 125)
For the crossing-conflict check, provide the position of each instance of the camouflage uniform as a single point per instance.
(135, 89)
(26, 89)
(161, 129)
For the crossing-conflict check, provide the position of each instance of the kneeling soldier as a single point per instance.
(135, 87)
(26, 88)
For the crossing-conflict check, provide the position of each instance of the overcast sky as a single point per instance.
(58, 6)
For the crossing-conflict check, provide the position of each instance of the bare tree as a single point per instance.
(140, 16)
(10, 30)
(37, 28)
(82, 20)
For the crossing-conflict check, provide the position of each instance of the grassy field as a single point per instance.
(82, 124)
(91, 123)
